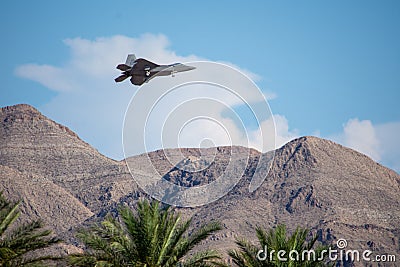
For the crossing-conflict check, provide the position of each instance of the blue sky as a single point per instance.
(333, 66)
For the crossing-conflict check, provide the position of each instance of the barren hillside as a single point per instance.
(313, 183)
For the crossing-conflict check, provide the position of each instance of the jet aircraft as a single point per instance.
(141, 70)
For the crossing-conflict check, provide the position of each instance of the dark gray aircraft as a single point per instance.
(141, 70)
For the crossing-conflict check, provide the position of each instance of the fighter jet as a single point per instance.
(141, 70)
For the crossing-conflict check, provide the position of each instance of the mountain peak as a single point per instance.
(298, 151)
(21, 107)
(311, 142)
(20, 111)
(315, 152)
(26, 116)
(45, 146)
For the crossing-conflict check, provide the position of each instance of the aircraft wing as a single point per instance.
(130, 60)
(144, 64)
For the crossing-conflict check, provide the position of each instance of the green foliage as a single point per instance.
(277, 240)
(153, 236)
(19, 242)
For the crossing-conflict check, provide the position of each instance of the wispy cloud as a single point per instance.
(90, 103)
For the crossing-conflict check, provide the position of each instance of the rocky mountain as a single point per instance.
(38, 147)
(318, 184)
(314, 183)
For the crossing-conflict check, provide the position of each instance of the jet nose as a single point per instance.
(183, 67)
(190, 67)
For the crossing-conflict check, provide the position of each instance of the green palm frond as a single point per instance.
(246, 256)
(204, 258)
(275, 240)
(8, 214)
(149, 236)
(17, 243)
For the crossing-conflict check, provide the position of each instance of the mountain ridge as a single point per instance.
(314, 183)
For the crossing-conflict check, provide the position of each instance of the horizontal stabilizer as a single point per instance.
(121, 78)
(123, 67)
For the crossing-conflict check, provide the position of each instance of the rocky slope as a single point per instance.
(313, 183)
(36, 146)
(42, 199)
(318, 184)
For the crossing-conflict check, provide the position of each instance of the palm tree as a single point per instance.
(266, 254)
(18, 244)
(154, 236)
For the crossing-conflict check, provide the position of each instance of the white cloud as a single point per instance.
(280, 124)
(47, 75)
(379, 141)
(361, 136)
(91, 104)
(283, 134)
